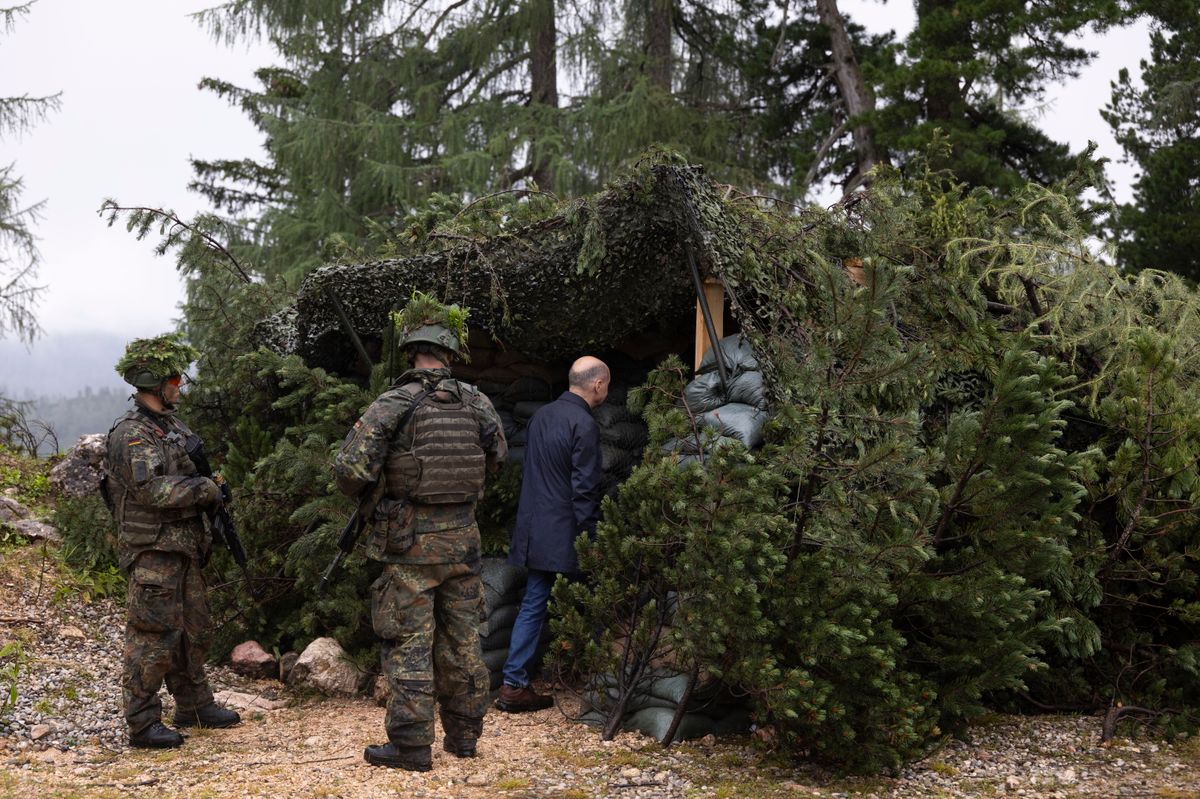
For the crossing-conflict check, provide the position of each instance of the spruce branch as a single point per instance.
(171, 226)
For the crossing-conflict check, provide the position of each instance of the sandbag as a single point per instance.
(498, 374)
(524, 411)
(510, 424)
(499, 618)
(528, 389)
(705, 394)
(519, 437)
(494, 659)
(747, 388)
(608, 414)
(516, 455)
(496, 639)
(743, 422)
(536, 370)
(655, 721)
(738, 356)
(503, 583)
(494, 390)
(687, 448)
(626, 435)
(615, 460)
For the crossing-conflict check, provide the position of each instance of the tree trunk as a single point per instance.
(856, 94)
(940, 91)
(658, 42)
(543, 85)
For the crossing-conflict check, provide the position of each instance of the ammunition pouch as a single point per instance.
(141, 526)
(393, 526)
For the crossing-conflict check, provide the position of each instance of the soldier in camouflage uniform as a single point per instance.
(430, 439)
(158, 500)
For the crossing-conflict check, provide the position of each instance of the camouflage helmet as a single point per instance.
(433, 334)
(147, 362)
(425, 320)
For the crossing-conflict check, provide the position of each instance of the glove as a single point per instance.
(226, 491)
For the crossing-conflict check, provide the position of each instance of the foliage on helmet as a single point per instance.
(158, 357)
(424, 310)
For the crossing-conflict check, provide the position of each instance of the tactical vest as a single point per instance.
(140, 525)
(445, 463)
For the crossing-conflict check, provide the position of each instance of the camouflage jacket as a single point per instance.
(157, 495)
(445, 533)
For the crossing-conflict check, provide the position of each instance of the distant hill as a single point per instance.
(60, 365)
(69, 382)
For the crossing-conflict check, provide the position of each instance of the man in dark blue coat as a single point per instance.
(560, 498)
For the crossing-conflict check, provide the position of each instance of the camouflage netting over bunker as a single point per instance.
(586, 278)
(977, 488)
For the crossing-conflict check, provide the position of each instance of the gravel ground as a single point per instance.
(65, 738)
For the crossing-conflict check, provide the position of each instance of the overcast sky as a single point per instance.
(132, 116)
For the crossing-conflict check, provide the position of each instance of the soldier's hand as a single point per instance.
(210, 495)
(226, 491)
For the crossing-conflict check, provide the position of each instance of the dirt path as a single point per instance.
(313, 748)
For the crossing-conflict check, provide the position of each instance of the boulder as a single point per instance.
(286, 663)
(251, 660)
(323, 665)
(34, 529)
(11, 510)
(78, 474)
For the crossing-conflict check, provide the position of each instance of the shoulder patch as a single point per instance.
(133, 442)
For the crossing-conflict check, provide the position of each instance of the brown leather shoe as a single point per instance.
(522, 700)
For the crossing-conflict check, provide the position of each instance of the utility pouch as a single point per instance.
(394, 525)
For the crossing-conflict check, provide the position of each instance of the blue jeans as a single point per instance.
(527, 629)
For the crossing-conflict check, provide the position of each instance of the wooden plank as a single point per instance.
(714, 298)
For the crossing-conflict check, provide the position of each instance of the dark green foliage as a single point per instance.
(1157, 122)
(497, 508)
(983, 477)
(966, 69)
(89, 533)
(285, 422)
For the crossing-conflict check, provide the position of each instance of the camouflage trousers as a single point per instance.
(428, 618)
(166, 637)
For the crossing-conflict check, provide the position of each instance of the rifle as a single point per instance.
(349, 537)
(219, 520)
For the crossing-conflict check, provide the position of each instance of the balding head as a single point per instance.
(589, 378)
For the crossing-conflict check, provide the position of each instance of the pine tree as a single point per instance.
(1158, 125)
(969, 68)
(378, 107)
(19, 256)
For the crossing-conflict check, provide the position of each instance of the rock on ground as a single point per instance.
(251, 660)
(325, 666)
(69, 699)
(78, 474)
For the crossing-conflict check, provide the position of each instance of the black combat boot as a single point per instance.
(411, 758)
(211, 715)
(461, 733)
(156, 736)
(459, 747)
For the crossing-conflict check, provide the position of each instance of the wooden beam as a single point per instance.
(714, 298)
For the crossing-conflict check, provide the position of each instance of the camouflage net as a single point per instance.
(584, 278)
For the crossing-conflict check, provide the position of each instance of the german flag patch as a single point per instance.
(133, 442)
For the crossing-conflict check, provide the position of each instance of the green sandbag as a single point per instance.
(738, 356)
(743, 422)
(499, 619)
